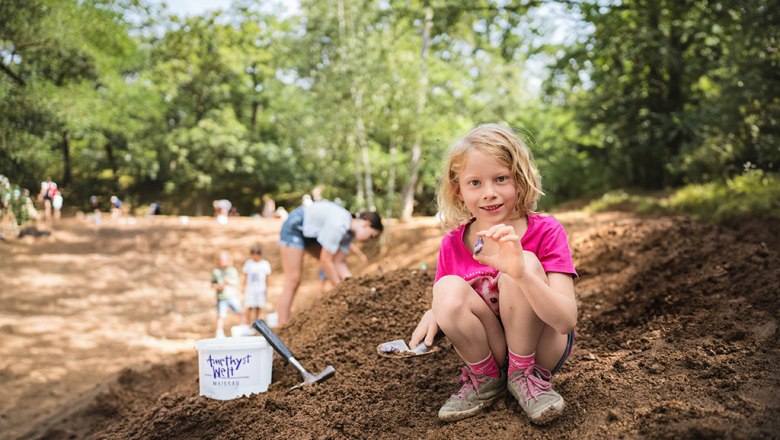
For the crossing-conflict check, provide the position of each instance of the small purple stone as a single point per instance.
(479, 245)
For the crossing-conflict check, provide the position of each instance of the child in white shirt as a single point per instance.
(254, 277)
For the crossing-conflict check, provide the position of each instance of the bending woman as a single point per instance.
(325, 230)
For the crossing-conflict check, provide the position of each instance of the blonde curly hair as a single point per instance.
(499, 142)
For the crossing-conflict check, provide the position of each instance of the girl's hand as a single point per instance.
(502, 250)
(426, 330)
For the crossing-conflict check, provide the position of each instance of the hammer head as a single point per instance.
(310, 379)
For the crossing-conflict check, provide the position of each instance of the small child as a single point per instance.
(504, 286)
(224, 279)
(254, 279)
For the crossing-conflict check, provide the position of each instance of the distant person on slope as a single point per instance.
(224, 280)
(325, 230)
(116, 207)
(269, 206)
(222, 209)
(46, 195)
(56, 204)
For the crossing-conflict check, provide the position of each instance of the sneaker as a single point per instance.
(220, 333)
(533, 391)
(476, 392)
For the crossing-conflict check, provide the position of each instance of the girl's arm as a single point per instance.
(554, 303)
(426, 330)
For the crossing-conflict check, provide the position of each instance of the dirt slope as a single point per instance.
(79, 306)
(676, 339)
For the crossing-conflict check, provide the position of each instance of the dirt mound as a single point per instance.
(80, 305)
(677, 338)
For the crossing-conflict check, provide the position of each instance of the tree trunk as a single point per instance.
(365, 183)
(675, 98)
(111, 138)
(361, 138)
(648, 164)
(255, 102)
(67, 173)
(360, 199)
(407, 197)
(111, 159)
(391, 180)
(253, 122)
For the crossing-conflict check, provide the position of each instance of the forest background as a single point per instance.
(120, 97)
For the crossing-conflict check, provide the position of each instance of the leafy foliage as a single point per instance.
(679, 91)
(116, 97)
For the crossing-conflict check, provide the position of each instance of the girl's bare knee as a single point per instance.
(450, 295)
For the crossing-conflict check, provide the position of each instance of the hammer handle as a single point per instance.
(272, 339)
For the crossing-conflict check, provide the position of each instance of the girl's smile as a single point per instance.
(491, 208)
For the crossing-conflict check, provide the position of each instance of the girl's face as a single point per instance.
(223, 260)
(255, 257)
(487, 189)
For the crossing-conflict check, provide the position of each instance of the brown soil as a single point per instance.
(676, 337)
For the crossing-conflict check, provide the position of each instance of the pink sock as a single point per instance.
(517, 362)
(486, 367)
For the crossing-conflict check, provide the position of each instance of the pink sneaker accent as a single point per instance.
(533, 385)
(476, 393)
(535, 394)
(486, 367)
(468, 381)
(517, 362)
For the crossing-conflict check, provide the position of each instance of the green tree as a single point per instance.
(663, 83)
(55, 76)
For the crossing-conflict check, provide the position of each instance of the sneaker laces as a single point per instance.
(534, 381)
(468, 380)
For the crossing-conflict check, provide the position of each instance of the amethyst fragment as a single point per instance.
(479, 245)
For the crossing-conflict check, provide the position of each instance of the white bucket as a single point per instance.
(233, 367)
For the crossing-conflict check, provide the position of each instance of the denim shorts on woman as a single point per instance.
(292, 232)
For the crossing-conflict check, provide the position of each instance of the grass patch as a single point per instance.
(620, 200)
(753, 193)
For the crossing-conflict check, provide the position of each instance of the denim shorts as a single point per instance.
(222, 306)
(292, 232)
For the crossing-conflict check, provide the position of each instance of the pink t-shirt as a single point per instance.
(545, 237)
